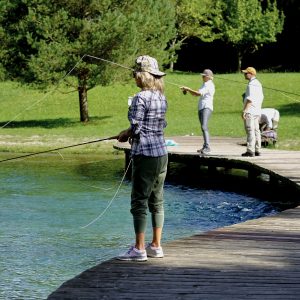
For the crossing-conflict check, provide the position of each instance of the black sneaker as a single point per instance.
(200, 150)
(249, 154)
(257, 153)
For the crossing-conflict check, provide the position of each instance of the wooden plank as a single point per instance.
(257, 259)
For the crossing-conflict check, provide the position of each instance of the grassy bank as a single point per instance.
(40, 120)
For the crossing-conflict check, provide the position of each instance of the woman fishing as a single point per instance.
(149, 157)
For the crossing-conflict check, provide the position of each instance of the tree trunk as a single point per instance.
(173, 43)
(239, 60)
(241, 52)
(83, 102)
(172, 65)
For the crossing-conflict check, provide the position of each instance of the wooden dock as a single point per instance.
(226, 152)
(257, 259)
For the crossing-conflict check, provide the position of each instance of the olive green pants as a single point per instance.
(148, 177)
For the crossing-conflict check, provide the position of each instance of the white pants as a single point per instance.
(253, 133)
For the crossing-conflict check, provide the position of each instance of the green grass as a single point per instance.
(51, 119)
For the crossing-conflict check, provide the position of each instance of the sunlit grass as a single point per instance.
(55, 113)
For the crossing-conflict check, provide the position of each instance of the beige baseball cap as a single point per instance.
(208, 73)
(250, 70)
(146, 63)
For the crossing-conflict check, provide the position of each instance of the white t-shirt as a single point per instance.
(254, 93)
(207, 91)
(268, 115)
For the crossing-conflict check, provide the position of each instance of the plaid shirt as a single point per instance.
(147, 118)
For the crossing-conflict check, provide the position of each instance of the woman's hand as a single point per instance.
(124, 135)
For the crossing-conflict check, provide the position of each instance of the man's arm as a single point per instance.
(246, 108)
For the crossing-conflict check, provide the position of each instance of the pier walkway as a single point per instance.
(257, 259)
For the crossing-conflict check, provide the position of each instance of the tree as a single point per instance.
(248, 25)
(43, 40)
(195, 18)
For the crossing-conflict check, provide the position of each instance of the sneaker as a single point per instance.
(156, 252)
(250, 154)
(133, 254)
(257, 153)
(205, 150)
(200, 150)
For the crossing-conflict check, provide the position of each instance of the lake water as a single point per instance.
(47, 201)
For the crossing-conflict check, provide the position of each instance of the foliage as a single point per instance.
(195, 18)
(248, 25)
(43, 40)
(49, 38)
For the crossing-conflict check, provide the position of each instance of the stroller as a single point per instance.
(268, 137)
(268, 125)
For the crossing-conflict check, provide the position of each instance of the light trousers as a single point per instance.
(204, 115)
(253, 133)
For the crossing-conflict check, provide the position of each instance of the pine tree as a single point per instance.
(43, 40)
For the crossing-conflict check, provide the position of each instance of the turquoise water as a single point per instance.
(46, 201)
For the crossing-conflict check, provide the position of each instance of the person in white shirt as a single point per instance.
(269, 119)
(205, 105)
(253, 99)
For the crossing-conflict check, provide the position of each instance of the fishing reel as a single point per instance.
(184, 91)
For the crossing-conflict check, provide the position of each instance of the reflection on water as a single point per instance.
(45, 202)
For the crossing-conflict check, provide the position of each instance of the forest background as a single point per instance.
(280, 56)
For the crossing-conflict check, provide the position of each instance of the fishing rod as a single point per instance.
(264, 87)
(178, 85)
(108, 61)
(127, 68)
(43, 98)
(60, 148)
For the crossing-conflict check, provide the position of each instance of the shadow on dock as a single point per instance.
(257, 259)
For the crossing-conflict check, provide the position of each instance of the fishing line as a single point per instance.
(122, 66)
(42, 99)
(97, 187)
(264, 87)
(287, 96)
(125, 67)
(178, 85)
(57, 84)
(109, 61)
(60, 148)
(60, 155)
(111, 201)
